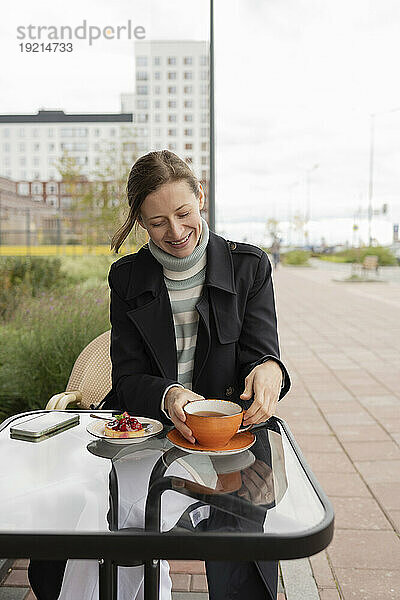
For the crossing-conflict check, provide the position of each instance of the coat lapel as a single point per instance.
(153, 315)
(219, 295)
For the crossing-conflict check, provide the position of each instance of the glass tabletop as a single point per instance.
(75, 483)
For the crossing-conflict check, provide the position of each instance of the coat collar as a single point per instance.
(147, 276)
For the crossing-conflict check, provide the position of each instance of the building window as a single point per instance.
(172, 132)
(50, 132)
(22, 161)
(35, 132)
(112, 132)
(142, 118)
(203, 89)
(188, 132)
(204, 103)
(157, 118)
(172, 75)
(187, 60)
(203, 60)
(188, 118)
(188, 104)
(142, 76)
(6, 147)
(7, 161)
(157, 132)
(188, 89)
(157, 103)
(36, 147)
(171, 60)
(204, 175)
(157, 60)
(204, 132)
(204, 75)
(36, 175)
(204, 160)
(157, 90)
(22, 175)
(172, 104)
(21, 147)
(172, 118)
(204, 117)
(6, 133)
(172, 146)
(188, 146)
(188, 75)
(142, 90)
(97, 132)
(142, 103)
(157, 75)
(142, 132)
(204, 146)
(141, 61)
(51, 147)
(172, 89)
(76, 132)
(36, 161)
(21, 132)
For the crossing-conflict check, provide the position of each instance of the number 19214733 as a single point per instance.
(42, 47)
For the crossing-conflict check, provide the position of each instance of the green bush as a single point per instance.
(296, 257)
(39, 345)
(87, 268)
(385, 256)
(26, 276)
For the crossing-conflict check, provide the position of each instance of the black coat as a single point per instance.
(237, 327)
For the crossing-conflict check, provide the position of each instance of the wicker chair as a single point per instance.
(90, 378)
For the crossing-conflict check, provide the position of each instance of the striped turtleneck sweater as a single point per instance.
(184, 279)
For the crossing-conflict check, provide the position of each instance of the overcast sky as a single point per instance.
(296, 81)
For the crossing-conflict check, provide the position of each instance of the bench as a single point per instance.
(370, 263)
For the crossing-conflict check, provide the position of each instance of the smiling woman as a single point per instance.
(193, 317)
(174, 230)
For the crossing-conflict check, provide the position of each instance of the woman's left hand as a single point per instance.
(264, 383)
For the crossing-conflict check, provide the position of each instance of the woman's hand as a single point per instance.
(264, 383)
(175, 400)
(258, 484)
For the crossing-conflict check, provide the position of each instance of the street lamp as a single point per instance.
(308, 183)
(371, 164)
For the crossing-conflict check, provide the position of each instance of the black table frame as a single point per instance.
(150, 546)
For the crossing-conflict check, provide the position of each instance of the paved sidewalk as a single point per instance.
(341, 343)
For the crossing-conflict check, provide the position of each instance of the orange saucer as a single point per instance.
(239, 443)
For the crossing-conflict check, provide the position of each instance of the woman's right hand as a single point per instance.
(175, 400)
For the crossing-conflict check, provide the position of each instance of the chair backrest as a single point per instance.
(91, 373)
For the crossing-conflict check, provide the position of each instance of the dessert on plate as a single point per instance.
(124, 426)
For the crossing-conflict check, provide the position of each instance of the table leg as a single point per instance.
(108, 580)
(151, 579)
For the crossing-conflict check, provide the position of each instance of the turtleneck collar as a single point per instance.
(175, 263)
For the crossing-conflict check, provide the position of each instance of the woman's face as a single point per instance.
(171, 216)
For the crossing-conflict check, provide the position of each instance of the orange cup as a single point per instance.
(214, 422)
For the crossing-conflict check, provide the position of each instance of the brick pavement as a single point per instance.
(341, 344)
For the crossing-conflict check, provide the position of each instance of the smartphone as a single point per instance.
(44, 425)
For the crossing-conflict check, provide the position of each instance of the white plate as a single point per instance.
(96, 428)
(214, 452)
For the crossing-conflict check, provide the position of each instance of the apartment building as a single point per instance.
(171, 100)
(32, 144)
